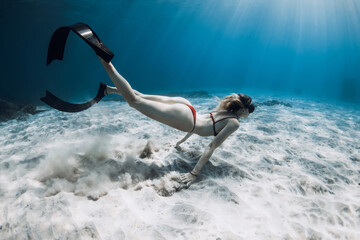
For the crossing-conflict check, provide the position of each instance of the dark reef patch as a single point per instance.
(9, 110)
(272, 103)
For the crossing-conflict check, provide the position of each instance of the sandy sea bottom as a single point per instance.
(289, 172)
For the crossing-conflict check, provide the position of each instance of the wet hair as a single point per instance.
(234, 102)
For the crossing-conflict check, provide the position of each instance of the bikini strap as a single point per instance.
(224, 119)
(214, 122)
(212, 118)
(194, 115)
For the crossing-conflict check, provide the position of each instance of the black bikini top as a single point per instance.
(214, 122)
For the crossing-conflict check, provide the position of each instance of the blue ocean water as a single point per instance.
(291, 170)
(307, 48)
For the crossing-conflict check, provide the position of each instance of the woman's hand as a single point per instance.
(177, 146)
(187, 178)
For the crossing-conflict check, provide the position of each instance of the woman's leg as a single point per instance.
(176, 115)
(120, 82)
(157, 98)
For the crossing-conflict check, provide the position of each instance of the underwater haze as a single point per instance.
(290, 172)
(307, 48)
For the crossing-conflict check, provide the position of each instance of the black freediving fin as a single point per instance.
(59, 37)
(55, 102)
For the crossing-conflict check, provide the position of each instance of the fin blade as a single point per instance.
(59, 38)
(59, 104)
(63, 106)
(57, 44)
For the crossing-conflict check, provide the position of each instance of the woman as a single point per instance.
(178, 113)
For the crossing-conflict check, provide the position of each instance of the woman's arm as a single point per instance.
(183, 140)
(230, 127)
